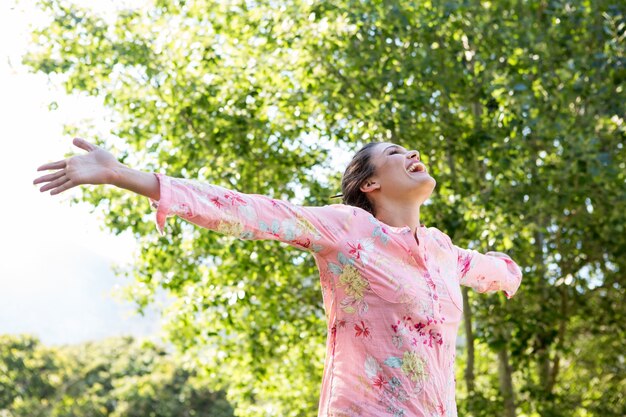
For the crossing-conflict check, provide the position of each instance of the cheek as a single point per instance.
(392, 165)
(390, 173)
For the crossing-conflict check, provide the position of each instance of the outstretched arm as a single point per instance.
(246, 216)
(488, 272)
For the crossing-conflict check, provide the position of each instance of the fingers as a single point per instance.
(66, 186)
(53, 184)
(50, 177)
(83, 144)
(53, 165)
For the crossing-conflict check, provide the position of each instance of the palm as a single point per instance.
(95, 167)
(92, 168)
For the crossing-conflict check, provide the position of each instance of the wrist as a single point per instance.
(143, 183)
(117, 175)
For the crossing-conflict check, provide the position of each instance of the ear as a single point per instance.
(369, 185)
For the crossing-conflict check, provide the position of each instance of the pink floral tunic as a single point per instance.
(392, 300)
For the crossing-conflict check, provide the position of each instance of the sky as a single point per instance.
(56, 261)
(56, 277)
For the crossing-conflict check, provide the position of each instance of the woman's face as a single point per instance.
(400, 174)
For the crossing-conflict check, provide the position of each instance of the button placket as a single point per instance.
(419, 255)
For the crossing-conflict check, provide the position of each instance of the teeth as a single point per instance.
(415, 167)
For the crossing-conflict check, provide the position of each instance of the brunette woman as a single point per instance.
(390, 284)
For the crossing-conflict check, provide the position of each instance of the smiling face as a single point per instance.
(399, 175)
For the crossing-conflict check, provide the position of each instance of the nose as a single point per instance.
(413, 154)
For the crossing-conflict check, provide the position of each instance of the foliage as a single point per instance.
(118, 377)
(516, 106)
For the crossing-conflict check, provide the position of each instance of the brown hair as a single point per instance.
(359, 170)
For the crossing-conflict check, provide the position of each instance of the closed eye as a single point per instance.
(395, 151)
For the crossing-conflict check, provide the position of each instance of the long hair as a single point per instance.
(359, 170)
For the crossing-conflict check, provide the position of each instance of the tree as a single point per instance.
(118, 377)
(516, 106)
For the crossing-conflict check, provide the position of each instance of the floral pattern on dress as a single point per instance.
(233, 228)
(391, 346)
(388, 388)
(353, 284)
(361, 250)
(380, 231)
(417, 332)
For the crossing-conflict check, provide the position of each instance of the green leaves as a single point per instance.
(115, 377)
(516, 107)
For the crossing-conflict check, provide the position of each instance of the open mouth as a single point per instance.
(416, 167)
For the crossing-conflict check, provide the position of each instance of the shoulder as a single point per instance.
(342, 210)
(440, 237)
(344, 220)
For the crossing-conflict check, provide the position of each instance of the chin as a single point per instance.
(434, 181)
(428, 187)
(429, 182)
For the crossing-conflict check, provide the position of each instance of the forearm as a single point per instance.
(143, 183)
(486, 272)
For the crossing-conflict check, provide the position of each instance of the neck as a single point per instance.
(399, 215)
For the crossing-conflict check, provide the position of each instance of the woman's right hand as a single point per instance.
(98, 166)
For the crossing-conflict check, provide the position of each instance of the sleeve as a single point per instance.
(246, 216)
(489, 272)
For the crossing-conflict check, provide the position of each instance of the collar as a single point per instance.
(404, 229)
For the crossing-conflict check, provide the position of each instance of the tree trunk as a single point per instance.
(506, 383)
(554, 371)
(467, 309)
(542, 348)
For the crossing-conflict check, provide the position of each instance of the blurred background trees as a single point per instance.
(114, 377)
(517, 107)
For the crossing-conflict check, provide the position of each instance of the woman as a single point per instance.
(391, 285)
